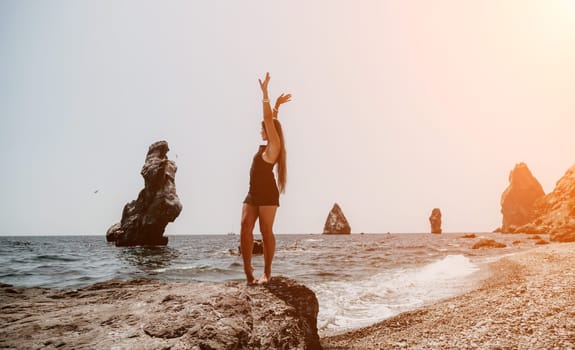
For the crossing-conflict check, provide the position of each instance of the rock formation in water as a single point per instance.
(144, 219)
(143, 314)
(518, 200)
(258, 247)
(336, 223)
(555, 213)
(488, 243)
(435, 220)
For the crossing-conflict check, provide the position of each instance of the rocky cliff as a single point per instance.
(555, 212)
(154, 315)
(336, 223)
(145, 219)
(518, 200)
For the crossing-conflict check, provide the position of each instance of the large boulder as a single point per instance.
(144, 219)
(555, 212)
(336, 223)
(518, 200)
(144, 314)
(435, 220)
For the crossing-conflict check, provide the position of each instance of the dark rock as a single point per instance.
(518, 200)
(435, 220)
(469, 235)
(114, 232)
(487, 243)
(157, 315)
(144, 219)
(336, 223)
(541, 242)
(258, 247)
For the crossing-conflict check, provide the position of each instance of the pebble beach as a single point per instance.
(527, 302)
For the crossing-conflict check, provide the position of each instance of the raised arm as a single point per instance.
(272, 152)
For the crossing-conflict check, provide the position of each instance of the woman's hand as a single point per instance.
(283, 98)
(264, 84)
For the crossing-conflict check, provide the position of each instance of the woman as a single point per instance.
(262, 200)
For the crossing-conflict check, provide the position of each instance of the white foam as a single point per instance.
(353, 304)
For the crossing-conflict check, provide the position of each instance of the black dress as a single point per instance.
(263, 187)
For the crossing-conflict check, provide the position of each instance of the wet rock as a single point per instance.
(435, 220)
(145, 219)
(488, 243)
(469, 235)
(518, 200)
(336, 223)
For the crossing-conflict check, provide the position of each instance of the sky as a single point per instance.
(398, 107)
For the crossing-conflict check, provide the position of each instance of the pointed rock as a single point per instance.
(518, 200)
(336, 223)
(555, 212)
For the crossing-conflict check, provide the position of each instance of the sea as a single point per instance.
(359, 279)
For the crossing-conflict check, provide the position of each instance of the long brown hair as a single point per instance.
(281, 169)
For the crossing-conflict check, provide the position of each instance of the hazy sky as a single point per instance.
(398, 107)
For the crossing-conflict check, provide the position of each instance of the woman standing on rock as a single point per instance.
(262, 200)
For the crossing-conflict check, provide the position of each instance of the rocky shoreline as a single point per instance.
(145, 314)
(526, 303)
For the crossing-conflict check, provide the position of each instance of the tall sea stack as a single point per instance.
(435, 220)
(145, 219)
(518, 200)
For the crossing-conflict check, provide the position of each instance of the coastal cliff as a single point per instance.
(144, 314)
(555, 212)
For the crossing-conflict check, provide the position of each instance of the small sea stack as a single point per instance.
(336, 223)
(435, 220)
(145, 219)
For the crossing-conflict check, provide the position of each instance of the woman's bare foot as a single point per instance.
(251, 280)
(265, 279)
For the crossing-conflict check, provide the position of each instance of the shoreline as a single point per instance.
(522, 300)
(526, 302)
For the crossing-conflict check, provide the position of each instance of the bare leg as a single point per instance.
(249, 217)
(267, 216)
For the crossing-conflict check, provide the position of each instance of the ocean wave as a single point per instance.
(47, 257)
(357, 303)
